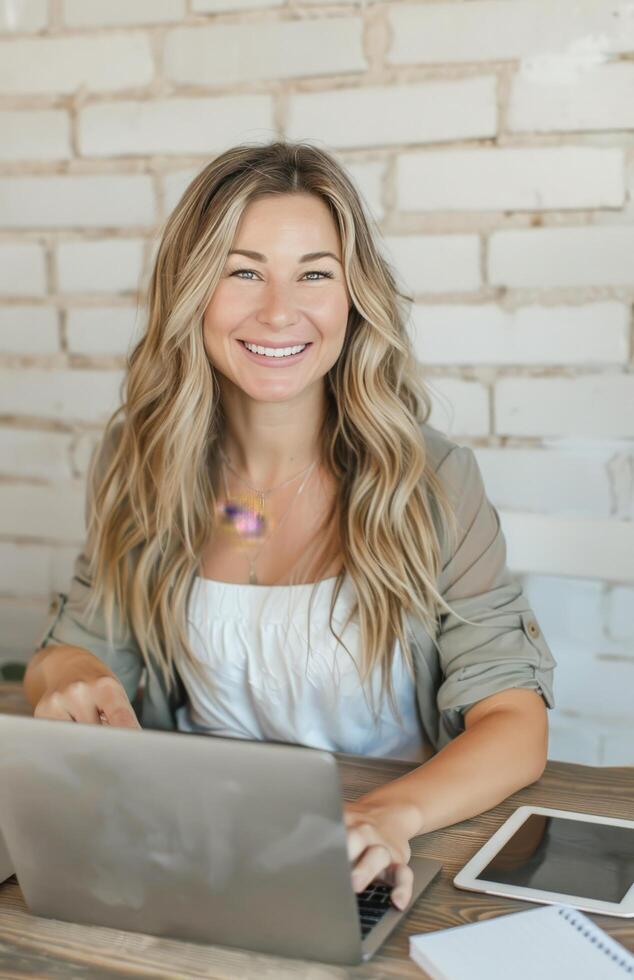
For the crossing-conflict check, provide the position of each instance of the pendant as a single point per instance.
(253, 579)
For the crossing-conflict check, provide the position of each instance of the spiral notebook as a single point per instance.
(549, 943)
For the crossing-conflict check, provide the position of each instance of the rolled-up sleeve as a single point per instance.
(68, 621)
(507, 649)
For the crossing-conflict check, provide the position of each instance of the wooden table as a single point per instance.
(39, 947)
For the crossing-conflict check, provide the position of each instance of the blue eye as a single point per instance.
(314, 272)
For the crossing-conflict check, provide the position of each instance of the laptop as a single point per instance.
(213, 840)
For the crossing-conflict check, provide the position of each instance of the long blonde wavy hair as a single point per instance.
(154, 503)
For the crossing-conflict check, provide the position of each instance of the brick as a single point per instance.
(232, 6)
(619, 618)
(23, 622)
(35, 455)
(22, 269)
(577, 256)
(573, 741)
(485, 333)
(597, 548)
(28, 15)
(226, 54)
(101, 330)
(95, 13)
(28, 330)
(588, 405)
(621, 470)
(62, 567)
(548, 481)
(568, 607)
(593, 688)
(436, 263)
(175, 184)
(77, 201)
(459, 408)
(24, 569)
(105, 266)
(170, 126)
(63, 65)
(376, 116)
(487, 30)
(81, 396)
(520, 179)
(618, 749)
(35, 135)
(556, 96)
(50, 513)
(367, 175)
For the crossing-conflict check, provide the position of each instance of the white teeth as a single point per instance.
(274, 352)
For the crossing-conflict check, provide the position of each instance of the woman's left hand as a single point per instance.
(378, 847)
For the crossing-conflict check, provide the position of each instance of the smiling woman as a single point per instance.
(273, 454)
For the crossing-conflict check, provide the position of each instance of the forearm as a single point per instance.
(52, 664)
(482, 766)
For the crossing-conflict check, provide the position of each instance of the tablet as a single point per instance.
(558, 857)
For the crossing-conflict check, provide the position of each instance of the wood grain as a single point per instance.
(32, 946)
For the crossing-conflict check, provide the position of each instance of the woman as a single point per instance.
(272, 465)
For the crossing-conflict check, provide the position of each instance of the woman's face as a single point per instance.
(279, 299)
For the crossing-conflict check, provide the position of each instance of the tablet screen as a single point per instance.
(574, 857)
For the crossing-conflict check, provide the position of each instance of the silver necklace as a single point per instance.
(249, 522)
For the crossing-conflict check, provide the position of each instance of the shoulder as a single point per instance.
(451, 461)
(437, 444)
(458, 472)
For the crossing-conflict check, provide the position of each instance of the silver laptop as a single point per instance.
(214, 840)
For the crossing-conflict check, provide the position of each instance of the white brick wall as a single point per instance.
(227, 54)
(76, 202)
(487, 30)
(61, 65)
(511, 179)
(103, 330)
(491, 142)
(458, 333)
(104, 266)
(28, 330)
(373, 115)
(22, 269)
(95, 13)
(28, 135)
(170, 126)
(28, 15)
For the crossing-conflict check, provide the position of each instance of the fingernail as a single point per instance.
(400, 902)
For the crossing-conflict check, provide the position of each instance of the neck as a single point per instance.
(267, 443)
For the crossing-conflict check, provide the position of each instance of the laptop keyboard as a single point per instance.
(372, 903)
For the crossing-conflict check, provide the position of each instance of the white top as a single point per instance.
(252, 642)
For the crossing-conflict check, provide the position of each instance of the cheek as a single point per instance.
(332, 313)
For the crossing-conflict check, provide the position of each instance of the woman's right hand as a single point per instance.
(100, 700)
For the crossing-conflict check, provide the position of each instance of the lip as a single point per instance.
(265, 343)
(275, 362)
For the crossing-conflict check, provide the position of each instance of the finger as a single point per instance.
(112, 701)
(359, 837)
(373, 861)
(401, 894)
(80, 702)
(52, 708)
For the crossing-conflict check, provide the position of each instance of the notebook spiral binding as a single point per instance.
(585, 931)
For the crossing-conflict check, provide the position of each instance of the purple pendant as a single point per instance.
(245, 521)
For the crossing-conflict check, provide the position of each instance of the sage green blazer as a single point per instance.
(472, 663)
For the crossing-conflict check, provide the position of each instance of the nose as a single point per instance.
(277, 305)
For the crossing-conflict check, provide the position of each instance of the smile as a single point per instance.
(275, 357)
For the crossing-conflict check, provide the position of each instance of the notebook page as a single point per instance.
(549, 943)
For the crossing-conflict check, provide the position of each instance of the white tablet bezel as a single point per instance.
(466, 877)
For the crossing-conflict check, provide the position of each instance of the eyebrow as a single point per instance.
(309, 257)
